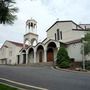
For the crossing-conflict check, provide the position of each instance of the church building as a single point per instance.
(66, 33)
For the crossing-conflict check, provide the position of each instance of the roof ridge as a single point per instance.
(63, 21)
(14, 42)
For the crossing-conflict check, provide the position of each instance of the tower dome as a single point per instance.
(31, 25)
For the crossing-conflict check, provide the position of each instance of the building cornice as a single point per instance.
(30, 33)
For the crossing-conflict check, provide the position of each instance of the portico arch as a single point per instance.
(24, 56)
(31, 55)
(40, 53)
(51, 51)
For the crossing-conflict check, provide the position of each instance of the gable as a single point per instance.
(74, 25)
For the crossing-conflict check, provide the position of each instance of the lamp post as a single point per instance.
(83, 54)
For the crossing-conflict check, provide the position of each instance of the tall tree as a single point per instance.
(87, 44)
(7, 11)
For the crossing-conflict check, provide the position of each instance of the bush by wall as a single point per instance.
(63, 59)
(87, 65)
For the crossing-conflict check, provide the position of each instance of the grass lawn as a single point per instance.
(5, 87)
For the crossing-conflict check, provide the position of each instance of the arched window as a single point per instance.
(58, 37)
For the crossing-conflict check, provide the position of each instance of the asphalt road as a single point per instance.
(46, 77)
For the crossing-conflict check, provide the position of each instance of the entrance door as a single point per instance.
(50, 55)
(40, 56)
(24, 58)
(18, 58)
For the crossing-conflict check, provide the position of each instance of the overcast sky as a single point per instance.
(45, 12)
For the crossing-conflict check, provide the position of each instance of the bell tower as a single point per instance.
(31, 32)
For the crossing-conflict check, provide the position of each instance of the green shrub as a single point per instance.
(63, 58)
(64, 64)
(87, 65)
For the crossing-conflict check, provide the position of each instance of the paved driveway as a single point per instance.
(46, 77)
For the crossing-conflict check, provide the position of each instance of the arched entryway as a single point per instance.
(51, 52)
(50, 55)
(24, 56)
(31, 55)
(40, 53)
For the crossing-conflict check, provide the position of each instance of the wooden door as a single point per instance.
(50, 55)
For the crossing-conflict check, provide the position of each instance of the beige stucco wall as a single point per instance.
(64, 27)
(88, 57)
(10, 52)
(17, 49)
(74, 51)
(3, 53)
(67, 33)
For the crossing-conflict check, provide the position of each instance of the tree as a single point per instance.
(7, 12)
(63, 60)
(87, 44)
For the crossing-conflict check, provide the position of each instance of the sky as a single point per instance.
(45, 12)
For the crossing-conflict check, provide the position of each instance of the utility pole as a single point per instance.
(83, 54)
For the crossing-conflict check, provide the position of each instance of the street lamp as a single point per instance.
(83, 53)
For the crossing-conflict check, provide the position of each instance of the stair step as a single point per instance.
(38, 64)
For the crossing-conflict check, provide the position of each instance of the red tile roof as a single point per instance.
(17, 44)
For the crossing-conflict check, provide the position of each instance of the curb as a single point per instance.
(20, 85)
(12, 86)
(67, 70)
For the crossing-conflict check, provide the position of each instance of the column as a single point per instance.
(34, 56)
(45, 56)
(26, 58)
(21, 58)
